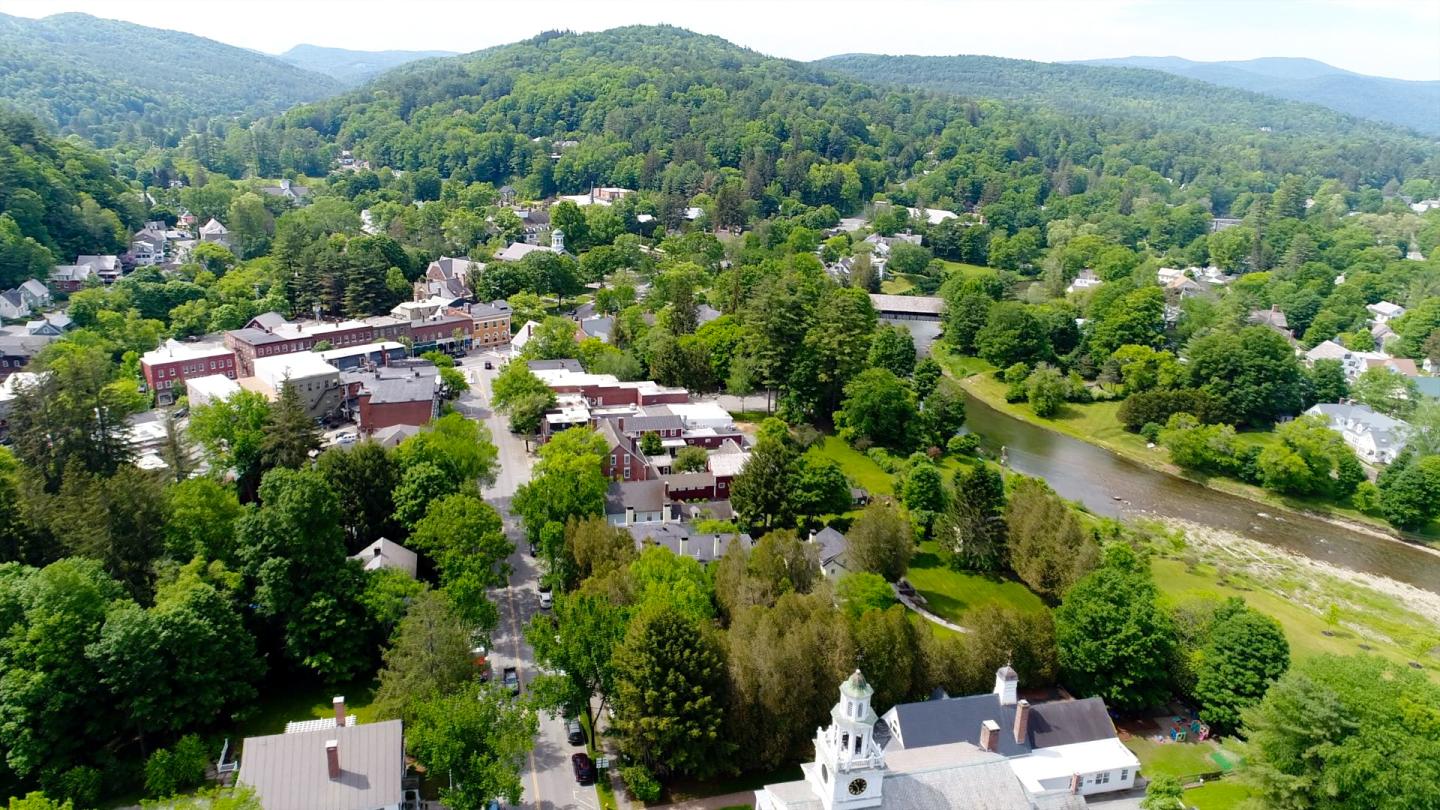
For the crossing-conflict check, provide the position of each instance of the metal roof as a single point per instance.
(289, 771)
(941, 722)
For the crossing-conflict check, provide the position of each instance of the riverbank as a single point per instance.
(1323, 608)
(1097, 424)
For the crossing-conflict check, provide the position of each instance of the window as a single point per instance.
(1102, 778)
(1124, 774)
(612, 459)
(627, 473)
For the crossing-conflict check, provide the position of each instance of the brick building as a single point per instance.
(489, 323)
(166, 368)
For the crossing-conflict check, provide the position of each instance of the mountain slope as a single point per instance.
(1159, 97)
(112, 81)
(352, 67)
(1395, 101)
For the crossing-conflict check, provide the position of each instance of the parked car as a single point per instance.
(489, 365)
(574, 732)
(584, 769)
(481, 661)
(547, 599)
(511, 678)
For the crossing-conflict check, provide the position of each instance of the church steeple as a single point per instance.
(849, 766)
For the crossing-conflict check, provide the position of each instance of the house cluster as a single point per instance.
(982, 752)
(71, 277)
(22, 301)
(21, 342)
(1184, 282)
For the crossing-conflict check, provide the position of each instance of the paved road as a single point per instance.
(549, 781)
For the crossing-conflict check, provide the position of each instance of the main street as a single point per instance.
(548, 780)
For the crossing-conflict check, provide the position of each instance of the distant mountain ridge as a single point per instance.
(111, 81)
(353, 67)
(1412, 104)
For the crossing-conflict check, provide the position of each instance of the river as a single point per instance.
(1095, 476)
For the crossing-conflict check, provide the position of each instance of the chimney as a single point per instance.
(989, 735)
(332, 757)
(1075, 783)
(629, 516)
(682, 545)
(339, 703)
(1022, 721)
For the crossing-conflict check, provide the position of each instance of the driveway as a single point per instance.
(548, 780)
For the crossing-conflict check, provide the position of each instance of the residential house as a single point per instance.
(288, 190)
(1272, 318)
(1375, 437)
(50, 324)
(831, 546)
(629, 503)
(623, 460)
(71, 277)
(13, 305)
(853, 770)
(522, 336)
(1165, 275)
(932, 216)
(535, 221)
(1184, 286)
(515, 251)
(329, 765)
(16, 351)
(386, 553)
(215, 233)
(1218, 224)
(1084, 280)
(448, 277)
(167, 367)
(35, 292)
(600, 195)
(1353, 362)
(1384, 311)
(147, 246)
(684, 541)
(1210, 274)
(419, 310)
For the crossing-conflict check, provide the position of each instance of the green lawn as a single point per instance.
(1177, 759)
(896, 285)
(962, 267)
(1224, 794)
(952, 594)
(278, 707)
(856, 465)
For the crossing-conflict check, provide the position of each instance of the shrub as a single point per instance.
(1151, 432)
(965, 444)
(174, 770)
(642, 784)
(81, 785)
(1366, 498)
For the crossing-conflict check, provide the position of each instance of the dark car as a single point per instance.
(489, 365)
(511, 679)
(574, 732)
(584, 769)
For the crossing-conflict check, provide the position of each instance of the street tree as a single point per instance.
(466, 539)
(429, 657)
(478, 737)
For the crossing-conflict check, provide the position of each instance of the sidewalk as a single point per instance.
(910, 603)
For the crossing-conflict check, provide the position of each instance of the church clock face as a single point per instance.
(857, 787)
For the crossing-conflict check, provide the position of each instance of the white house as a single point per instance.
(13, 305)
(386, 553)
(1165, 275)
(35, 292)
(932, 216)
(1384, 311)
(853, 771)
(1373, 436)
(1084, 280)
(1354, 363)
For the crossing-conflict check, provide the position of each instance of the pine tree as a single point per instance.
(292, 432)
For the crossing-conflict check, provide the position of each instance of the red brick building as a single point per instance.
(165, 369)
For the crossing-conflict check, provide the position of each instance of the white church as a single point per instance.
(1012, 757)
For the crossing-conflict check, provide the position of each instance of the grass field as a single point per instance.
(1220, 795)
(952, 594)
(962, 267)
(857, 466)
(896, 285)
(311, 703)
(1177, 759)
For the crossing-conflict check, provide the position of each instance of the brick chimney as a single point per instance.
(332, 757)
(1075, 782)
(1022, 720)
(339, 704)
(990, 735)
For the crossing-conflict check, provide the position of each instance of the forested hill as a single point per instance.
(1151, 95)
(1396, 101)
(665, 109)
(352, 67)
(112, 81)
(57, 199)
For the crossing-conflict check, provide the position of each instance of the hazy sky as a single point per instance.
(1399, 38)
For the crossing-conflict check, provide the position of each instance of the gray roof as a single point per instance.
(682, 541)
(394, 435)
(643, 496)
(396, 384)
(686, 481)
(15, 298)
(652, 424)
(832, 544)
(958, 719)
(916, 304)
(267, 320)
(705, 314)
(595, 327)
(289, 772)
(567, 364)
(256, 337)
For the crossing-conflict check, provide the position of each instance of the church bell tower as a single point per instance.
(849, 766)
